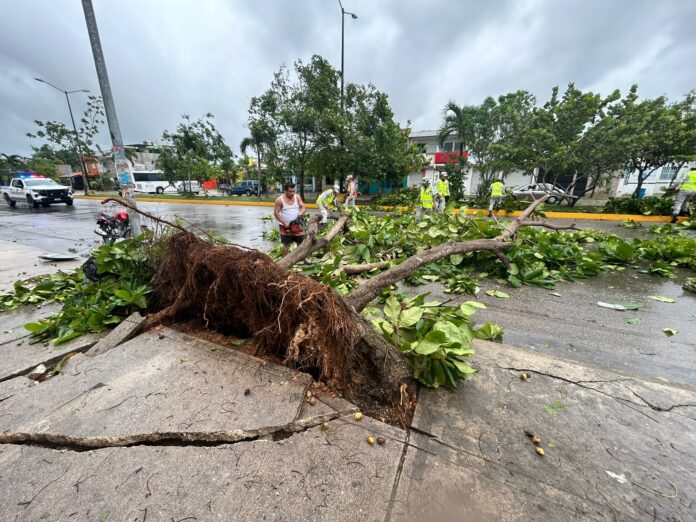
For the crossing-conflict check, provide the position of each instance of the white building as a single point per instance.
(438, 156)
(654, 184)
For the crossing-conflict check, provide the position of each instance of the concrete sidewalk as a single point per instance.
(21, 262)
(166, 426)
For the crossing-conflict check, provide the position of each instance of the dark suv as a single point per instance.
(248, 187)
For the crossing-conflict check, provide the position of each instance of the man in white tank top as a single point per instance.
(288, 207)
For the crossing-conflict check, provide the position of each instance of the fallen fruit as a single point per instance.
(524, 376)
(324, 426)
(528, 433)
(312, 401)
(536, 439)
(357, 416)
(370, 439)
(381, 441)
(309, 394)
(540, 451)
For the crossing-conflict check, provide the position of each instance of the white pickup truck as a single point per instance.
(36, 191)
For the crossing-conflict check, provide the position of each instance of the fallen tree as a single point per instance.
(245, 293)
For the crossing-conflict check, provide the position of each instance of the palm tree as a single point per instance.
(456, 120)
(260, 139)
(13, 161)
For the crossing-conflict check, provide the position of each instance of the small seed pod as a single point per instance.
(370, 439)
(528, 433)
(524, 376)
(312, 401)
(536, 439)
(357, 416)
(309, 394)
(324, 426)
(540, 451)
(381, 441)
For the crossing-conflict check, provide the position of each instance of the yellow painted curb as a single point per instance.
(556, 215)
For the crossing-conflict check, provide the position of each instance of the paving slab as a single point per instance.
(21, 262)
(155, 387)
(311, 475)
(19, 357)
(616, 447)
(128, 328)
(12, 322)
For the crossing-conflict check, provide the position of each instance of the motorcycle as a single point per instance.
(113, 227)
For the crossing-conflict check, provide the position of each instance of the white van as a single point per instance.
(152, 182)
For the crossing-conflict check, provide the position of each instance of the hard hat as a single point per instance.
(337, 188)
(349, 176)
(443, 173)
(425, 180)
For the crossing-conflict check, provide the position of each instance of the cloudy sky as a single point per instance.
(169, 57)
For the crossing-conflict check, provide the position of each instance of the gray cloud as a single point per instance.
(167, 58)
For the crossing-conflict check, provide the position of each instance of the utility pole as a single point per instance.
(76, 141)
(123, 169)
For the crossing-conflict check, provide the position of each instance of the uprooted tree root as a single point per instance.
(234, 290)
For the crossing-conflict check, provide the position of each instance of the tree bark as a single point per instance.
(311, 244)
(367, 267)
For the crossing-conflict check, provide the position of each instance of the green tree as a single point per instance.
(262, 139)
(12, 162)
(650, 132)
(489, 132)
(61, 139)
(198, 152)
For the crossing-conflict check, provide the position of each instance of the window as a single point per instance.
(668, 173)
(448, 147)
(423, 147)
(17, 183)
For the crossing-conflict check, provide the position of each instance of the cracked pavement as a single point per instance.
(166, 426)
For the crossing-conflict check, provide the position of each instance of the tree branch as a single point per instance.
(552, 227)
(143, 213)
(311, 244)
(359, 269)
(367, 291)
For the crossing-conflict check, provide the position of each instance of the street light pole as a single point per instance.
(76, 141)
(343, 31)
(123, 168)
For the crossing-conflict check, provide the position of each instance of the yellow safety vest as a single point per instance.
(443, 188)
(327, 196)
(426, 197)
(497, 189)
(689, 182)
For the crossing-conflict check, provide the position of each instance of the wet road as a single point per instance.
(571, 325)
(63, 229)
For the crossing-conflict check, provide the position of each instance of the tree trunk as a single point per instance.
(639, 185)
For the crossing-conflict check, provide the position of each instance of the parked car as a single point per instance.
(37, 191)
(190, 187)
(248, 187)
(537, 190)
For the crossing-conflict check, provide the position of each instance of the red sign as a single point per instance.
(449, 157)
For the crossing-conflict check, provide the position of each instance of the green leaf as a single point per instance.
(669, 332)
(497, 293)
(463, 367)
(410, 316)
(661, 299)
(392, 309)
(238, 342)
(456, 259)
(633, 320)
(551, 410)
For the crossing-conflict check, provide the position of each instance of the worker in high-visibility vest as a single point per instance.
(425, 199)
(443, 192)
(686, 191)
(325, 200)
(497, 191)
